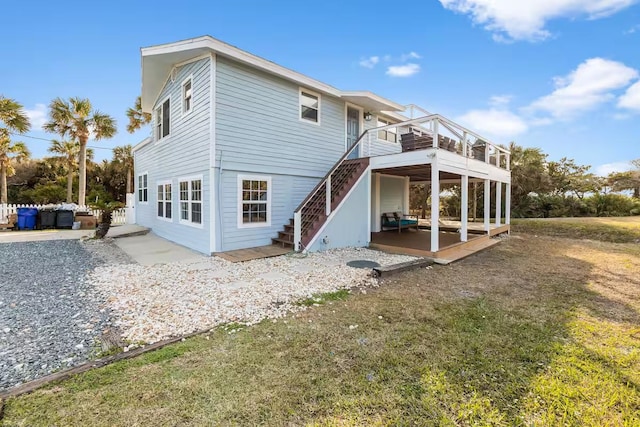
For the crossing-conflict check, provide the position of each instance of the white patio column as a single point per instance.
(464, 207)
(498, 203)
(487, 205)
(435, 205)
(507, 204)
(407, 192)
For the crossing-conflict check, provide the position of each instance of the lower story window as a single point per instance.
(164, 200)
(191, 201)
(254, 204)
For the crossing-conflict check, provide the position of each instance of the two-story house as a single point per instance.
(245, 152)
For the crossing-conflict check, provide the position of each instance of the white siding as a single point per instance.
(184, 153)
(258, 131)
(377, 146)
(287, 191)
(349, 227)
(258, 126)
(391, 194)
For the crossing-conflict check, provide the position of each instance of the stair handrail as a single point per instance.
(331, 171)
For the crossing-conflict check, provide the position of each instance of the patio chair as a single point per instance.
(398, 221)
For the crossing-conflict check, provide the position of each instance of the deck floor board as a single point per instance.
(241, 255)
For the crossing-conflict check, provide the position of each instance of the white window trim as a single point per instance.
(138, 188)
(310, 92)
(184, 82)
(184, 221)
(385, 140)
(266, 178)
(155, 125)
(163, 183)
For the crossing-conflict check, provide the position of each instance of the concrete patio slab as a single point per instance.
(43, 235)
(150, 249)
(127, 230)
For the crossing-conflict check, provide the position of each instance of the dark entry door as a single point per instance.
(353, 131)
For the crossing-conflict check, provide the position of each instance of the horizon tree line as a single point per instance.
(75, 121)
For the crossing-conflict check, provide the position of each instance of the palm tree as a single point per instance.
(12, 119)
(137, 118)
(124, 156)
(68, 153)
(9, 152)
(77, 119)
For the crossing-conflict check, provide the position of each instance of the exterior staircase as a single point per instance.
(314, 207)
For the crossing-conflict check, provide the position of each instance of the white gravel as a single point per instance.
(152, 303)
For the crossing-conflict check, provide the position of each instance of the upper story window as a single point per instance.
(309, 106)
(187, 96)
(143, 190)
(163, 119)
(388, 134)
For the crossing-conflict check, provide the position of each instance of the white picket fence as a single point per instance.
(119, 216)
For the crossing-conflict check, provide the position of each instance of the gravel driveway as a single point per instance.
(50, 317)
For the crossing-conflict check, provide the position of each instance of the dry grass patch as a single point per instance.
(537, 331)
(611, 229)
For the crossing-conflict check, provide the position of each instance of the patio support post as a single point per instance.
(487, 205)
(435, 205)
(507, 204)
(464, 207)
(498, 203)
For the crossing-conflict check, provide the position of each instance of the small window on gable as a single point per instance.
(309, 106)
(163, 119)
(387, 134)
(187, 97)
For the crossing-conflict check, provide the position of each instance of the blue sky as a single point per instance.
(562, 75)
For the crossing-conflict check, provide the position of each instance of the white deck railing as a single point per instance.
(119, 215)
(442, 133)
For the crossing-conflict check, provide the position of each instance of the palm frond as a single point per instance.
(103, 125)
(13, 117)
(137, 118)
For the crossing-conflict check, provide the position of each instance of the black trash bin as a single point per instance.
(64, 219)
(47, 219)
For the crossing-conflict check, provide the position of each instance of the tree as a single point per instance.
(12, 119)
(124, 156)
(565, 175)
(528, 175)
(630, 180)
(69, 152)
(9, 153)
(77, 119)
(137, 118)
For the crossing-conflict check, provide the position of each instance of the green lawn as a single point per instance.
(536, 331)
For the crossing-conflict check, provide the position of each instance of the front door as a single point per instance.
(353, 131)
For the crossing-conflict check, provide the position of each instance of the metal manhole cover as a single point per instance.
(361, 263)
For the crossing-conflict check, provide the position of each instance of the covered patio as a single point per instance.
(434, 236)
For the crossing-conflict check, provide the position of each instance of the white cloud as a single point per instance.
(410, 55)
(631, 98)
(37, 116)
(526, 19)
(495, 122)
(607, 168)
(370, 62)
(500, 100)
(406, 70)
(633, 29)
(584, 88)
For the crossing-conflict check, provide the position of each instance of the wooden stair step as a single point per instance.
(282, 242)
